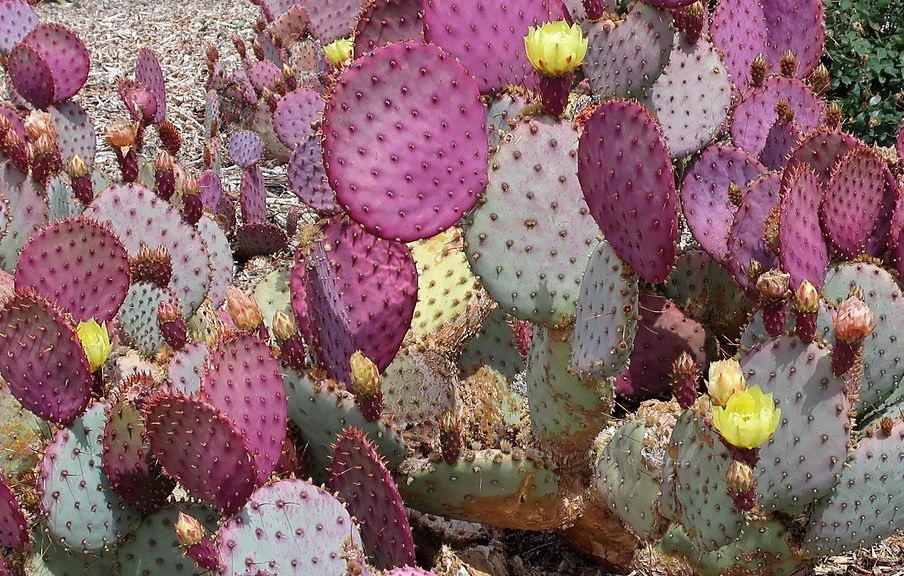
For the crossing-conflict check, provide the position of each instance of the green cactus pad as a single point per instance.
(53, 559)
(489, 486)
(762, 548)
(531, 236)
(418, 387)
(493, 346)
(80, 507)
(153, 549)
(698, 460)
(606, 316)
(26, 211)
(866, 504)
(272, 295)
(802, 460)
(883, 350)
(566, 413)
(446, 286)
(321, 413)
(138, 317)
(627, 481)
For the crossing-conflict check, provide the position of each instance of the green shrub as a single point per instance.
(865, 54)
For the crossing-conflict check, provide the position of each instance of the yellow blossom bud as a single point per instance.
(243, 309)
(806, 298)
(340, 51)
(748, 419)
(739, 477)
(189, 530)
(95, 341)
(725, 378)
(365, 375)
(555, 49)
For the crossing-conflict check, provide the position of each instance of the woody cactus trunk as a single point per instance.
(618, 276)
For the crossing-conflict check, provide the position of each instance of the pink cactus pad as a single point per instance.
(49, 52)
(80, 265)
(360, 291)
(704, 195)
(802, 249)
(413, 169)
(853, 201)
(627, 178)
(201, 448)
(42, 359)
(242, 380)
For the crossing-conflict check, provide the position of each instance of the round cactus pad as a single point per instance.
(80, 265)
(17, 19)
(853, 201)
(704, 195)
(43, 361)
(201, 448)
(153, 549)
(383, 22)
(49, 65)
(294, 114)
(529, 239)
(13, 524)
(626, 175)
(747, 237)
(149, 74)
(405, 144)
(290, 528)
(307, 177)
(81, 508)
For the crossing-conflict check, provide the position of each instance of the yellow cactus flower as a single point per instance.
(725, 378)
(748, 419)
(95, 341)
(556, 49)
(340, 51)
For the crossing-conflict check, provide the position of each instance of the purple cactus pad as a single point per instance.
(361, 291)
(739, 31)
(245, 148)
(259, 239)
(295, 113)
(13, 524)
(487, 38)
(427, 164)
(253, 195)
(627, 178)
(747, 237)
(359, 477)
(853, 201)
(802, 249)
(43, 361)
(63, 58)
(755, 114)
(383, 22)
(17, 19)
(201, 448)
(148, 73)
(80, 265)
(704, 195)
(307, 177)
(331, 19)
(242, 379)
